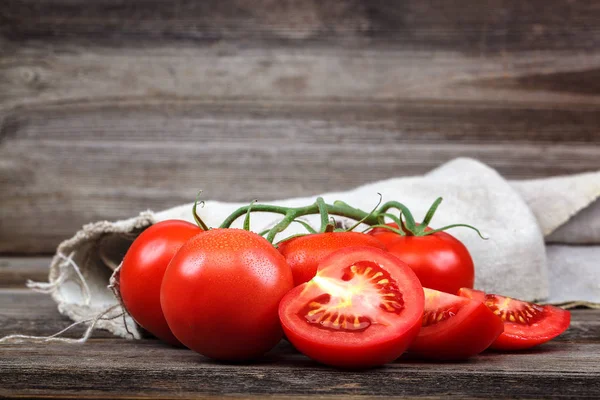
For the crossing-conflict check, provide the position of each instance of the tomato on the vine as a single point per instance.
(221, 292)
(304, 253)
(387, 236)
(454, 327)
(361, 309)
(525, 324)
(142, 273)
(440, 260)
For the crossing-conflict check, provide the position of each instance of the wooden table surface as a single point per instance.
(109, 367)
(109, 107)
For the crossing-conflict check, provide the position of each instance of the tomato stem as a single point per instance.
(431, 212)
(427, 233)
(409, 226)
(292, 213)
(197, 218)
(373, 211)
(405, 221)
(247, 218)
(324, 214)
(309, 228)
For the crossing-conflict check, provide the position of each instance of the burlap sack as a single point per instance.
(516, 216)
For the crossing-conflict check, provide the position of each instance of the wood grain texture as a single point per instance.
(114, 368)
(71, 165)
(16, 271)
(110, 367)
(465, 26)
(110, 107)
(27, 312)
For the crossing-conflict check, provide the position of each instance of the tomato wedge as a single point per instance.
(362, 309)
(525, 324)
(454, 328)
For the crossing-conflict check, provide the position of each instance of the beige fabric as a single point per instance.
(515, 216)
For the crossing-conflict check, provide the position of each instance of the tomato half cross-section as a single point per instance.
(454, 327)
(525, 324)
(362, 309)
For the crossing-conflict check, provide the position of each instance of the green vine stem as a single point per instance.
(292, 213)
(375, 218)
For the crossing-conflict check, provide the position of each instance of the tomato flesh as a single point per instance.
(454, 328)
(362, 309)
(525, 324)
(304, 253)
(142, 272)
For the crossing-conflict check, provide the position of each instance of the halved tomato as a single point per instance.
(525, 324)
(454, 328)
(362, 309)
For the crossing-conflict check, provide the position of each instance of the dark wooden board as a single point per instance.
(108, 367)
(110, 107)
(477, 28)
(16, 271)
(120, 368)
(74, 164)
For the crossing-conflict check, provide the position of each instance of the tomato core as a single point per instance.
(348, 304)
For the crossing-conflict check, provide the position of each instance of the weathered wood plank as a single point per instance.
(258, 101)
(150, 369)
(26, 312)
(73, 164)
(16, 271)
(108, 367)
(471, 27)
(113, 180)
(66, 73)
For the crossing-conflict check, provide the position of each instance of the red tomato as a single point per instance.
(304, 253)
(221, 292)
(142, 273)
(454, 328)
(362, 309)
(525, 324)
(386, 236)
(440, 261)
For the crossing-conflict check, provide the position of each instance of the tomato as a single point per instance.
(304, 253)
(221, 292)
(525, 324)
(440, 260)
(142, 273)
(454, 328)
(362, 309)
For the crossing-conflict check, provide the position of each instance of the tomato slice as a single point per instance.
(525, 324)
(454, 328)
(362, 309)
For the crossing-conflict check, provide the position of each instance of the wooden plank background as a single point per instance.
(108, 107)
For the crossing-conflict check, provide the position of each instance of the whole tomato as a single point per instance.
(440, 261)
(304, 253)
(142, 273)
(386, 236)
(221, 292)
